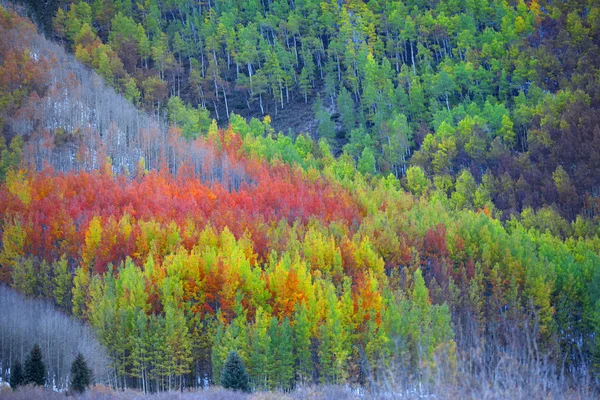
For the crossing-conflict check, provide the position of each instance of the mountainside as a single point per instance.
(506, 91)
(70, 120)
(427, 225)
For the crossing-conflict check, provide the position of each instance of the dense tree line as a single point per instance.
(504, 90)
(486, 87)
(310, 276)
(312, 268)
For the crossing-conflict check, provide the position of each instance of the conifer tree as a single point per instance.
(80, 374)
(234, 374)
(16, 375)
(35, 370)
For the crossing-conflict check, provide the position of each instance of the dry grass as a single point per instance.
(510, 376)
(106, 393)
(509, 380)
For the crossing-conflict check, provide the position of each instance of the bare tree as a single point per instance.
(24, 322)
(76, 121)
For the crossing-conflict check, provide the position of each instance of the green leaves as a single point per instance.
(193, 122)
(10, 156)
(416, 180)
(326, 127)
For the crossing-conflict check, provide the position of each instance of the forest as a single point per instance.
(381, 195)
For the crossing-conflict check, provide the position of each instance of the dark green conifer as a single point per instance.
(234, 374)
(16, 375)
(35, 370)
(80, 374)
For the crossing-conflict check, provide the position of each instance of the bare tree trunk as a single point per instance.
(250, 76)
(216, 110)
(226, 106)
(296, 52)
(281, 93)
(412, 56)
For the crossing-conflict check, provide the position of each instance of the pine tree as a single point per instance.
(16, 375)
(80, 374)
(35, 370)
(234, 374)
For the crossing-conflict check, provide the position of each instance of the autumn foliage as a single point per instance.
(182, 243)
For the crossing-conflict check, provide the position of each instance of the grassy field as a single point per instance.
(466, 389)
(103, 392)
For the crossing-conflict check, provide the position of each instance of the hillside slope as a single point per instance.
(505, 93)
(185, 242)
(63, 115)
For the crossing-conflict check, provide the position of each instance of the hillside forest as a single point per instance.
(380, 195)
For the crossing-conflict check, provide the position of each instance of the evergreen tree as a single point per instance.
(16, 375)
(80, 374)
(35, 370)
(234, 374)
